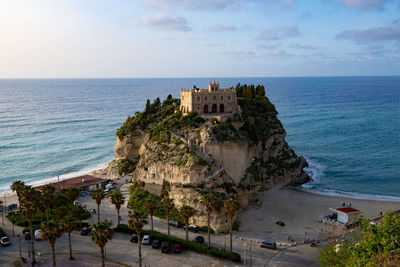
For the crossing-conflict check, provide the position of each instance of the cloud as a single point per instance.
(279, 53)
(300, 46)
(165, 22)
(240, 54)
(196, 4)
(279, 33)
(268, 46)
(364, 5)
(306, 15)
(223, 28)
(385, 32)
(212, 5)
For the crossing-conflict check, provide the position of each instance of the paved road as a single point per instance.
(121, 250)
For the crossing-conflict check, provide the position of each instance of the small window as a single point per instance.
(229, 97)
(222, 97)
(205, 98)
(215, 97)
(198, 99)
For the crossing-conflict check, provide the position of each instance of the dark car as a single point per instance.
(198, 239)
(193, 228)
(134, 238)
(177, 248)
(27, 236)
(165, 247)
(156, 244)
(175, 223)
(85, 231)
(268, 244)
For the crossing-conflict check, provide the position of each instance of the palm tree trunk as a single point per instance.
(98, 212)
(32, 239)
(53, 254)
(168, 222)
(208, 228)
(118, 217)
(140, 249)
(151, 218)
(230, 233)
(186, 229)
(102, 256)
(70, 246)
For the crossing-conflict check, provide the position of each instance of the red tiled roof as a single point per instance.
(80, 181)
(347, 210)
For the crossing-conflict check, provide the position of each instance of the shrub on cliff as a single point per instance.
(376, 245)
(126, 166)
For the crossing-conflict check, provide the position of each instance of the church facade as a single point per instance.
(209, 101)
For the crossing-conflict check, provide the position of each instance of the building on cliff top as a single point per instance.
(211, 101)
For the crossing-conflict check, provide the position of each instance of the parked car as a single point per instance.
(156, 244)
(175, 223)
(268, 244)
(146, 240)
(177, 248)
(5, 241)
(85, 231)
(134, 238)
(38, 234)
(193, 228)
(27, 236)
(165, 247)
(198, 239)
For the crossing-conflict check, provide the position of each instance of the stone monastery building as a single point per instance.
(209, 101)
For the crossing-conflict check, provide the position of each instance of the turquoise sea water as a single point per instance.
(347, 127)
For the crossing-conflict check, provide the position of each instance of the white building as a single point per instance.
(346, 215)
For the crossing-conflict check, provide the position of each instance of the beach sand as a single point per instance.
(301, 211)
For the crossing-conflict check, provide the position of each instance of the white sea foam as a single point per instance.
(6, 189)
(315, 170)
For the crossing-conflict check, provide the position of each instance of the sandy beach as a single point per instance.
(301, 211)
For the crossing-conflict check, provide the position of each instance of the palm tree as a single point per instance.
(167, 204)
(47, 198)
(186, 213)
(118, 200)
(68, 226)
(28, 209)
(138, 219)
(71, 193)
(101, 233)
(17, 187)
(151, 204)
(51, 230)
(231, 206)
(98, 195)
(209, 201)
(78, 211)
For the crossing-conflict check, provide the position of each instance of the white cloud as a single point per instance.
(167, 23)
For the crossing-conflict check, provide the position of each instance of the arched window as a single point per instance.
(214, 108)
(229, 97)
(205, 98)
(198, 99)
(215, 97)
(221, 108)
(222, 97)
(205, 109)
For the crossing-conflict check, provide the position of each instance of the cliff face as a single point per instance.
(245, 154)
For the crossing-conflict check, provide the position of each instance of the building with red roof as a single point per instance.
(84, 183)
(346, 215)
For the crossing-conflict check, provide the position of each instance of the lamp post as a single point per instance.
(19, 242)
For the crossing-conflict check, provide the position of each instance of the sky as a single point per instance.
(198, 38)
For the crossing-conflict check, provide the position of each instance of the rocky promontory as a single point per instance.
(232, 155)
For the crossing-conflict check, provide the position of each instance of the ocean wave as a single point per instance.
(6, 188)
(315, 170)
(352, 195)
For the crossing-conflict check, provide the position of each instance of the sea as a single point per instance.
(348, 128)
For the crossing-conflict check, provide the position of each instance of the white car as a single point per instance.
(146, 240)
(5, 241)
(38, 234)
